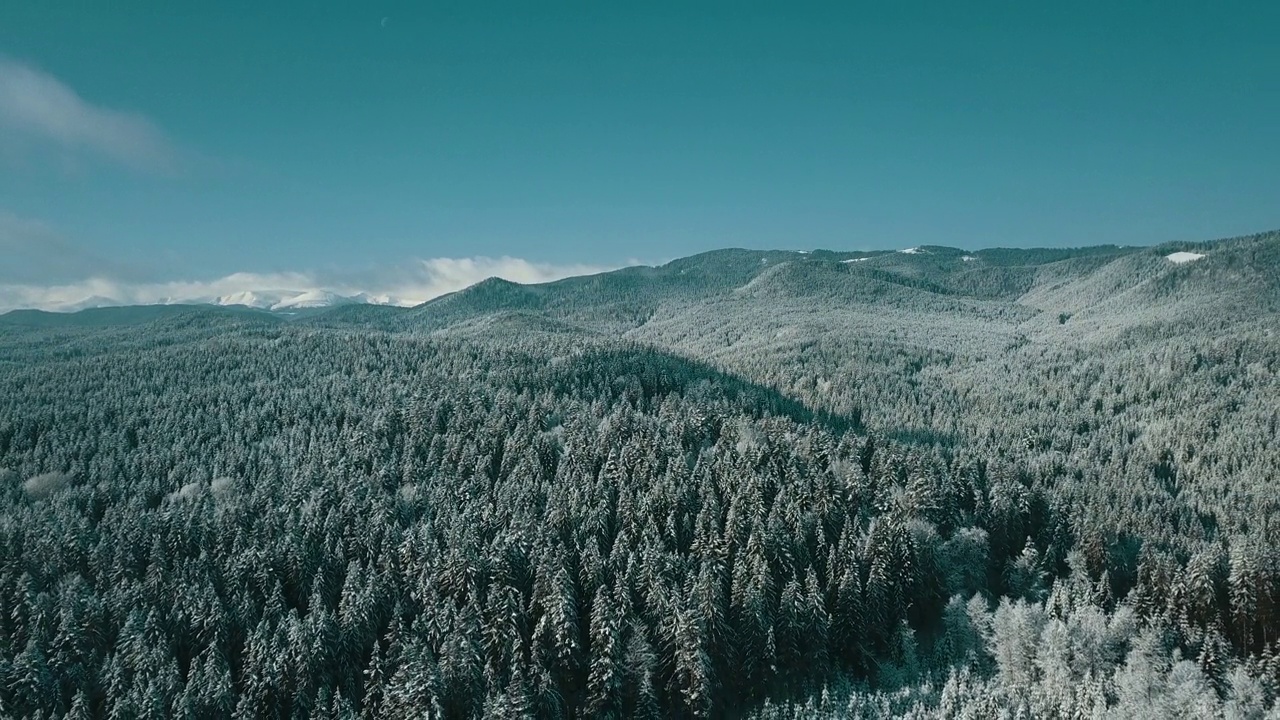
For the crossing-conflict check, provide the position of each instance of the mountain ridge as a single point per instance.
(1035, 276)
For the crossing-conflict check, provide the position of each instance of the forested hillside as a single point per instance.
(1036, 483)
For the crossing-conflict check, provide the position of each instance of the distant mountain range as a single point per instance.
(274, 300)
(922, 278)
(283, 300)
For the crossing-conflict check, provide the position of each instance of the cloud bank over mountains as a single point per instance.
(408, 285)
(42, 269)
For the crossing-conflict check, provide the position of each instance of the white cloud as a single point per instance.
(405, 286)
(35, 106)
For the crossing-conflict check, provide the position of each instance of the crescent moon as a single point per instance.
(384, 22)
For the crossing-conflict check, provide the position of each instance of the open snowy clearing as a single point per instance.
(1182, 257)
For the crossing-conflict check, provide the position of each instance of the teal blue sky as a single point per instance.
(191, 140)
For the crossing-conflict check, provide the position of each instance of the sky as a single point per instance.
(411, 148)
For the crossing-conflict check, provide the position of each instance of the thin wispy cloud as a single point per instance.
(38, 109)
(404, 286)
(33, 252)
(26, 246)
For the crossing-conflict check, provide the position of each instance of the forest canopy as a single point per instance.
(742, 484)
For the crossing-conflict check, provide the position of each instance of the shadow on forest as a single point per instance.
(645, 374)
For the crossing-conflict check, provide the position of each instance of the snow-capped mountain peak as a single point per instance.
(277, 300)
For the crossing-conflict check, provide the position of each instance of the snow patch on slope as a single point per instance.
(1180, 258)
